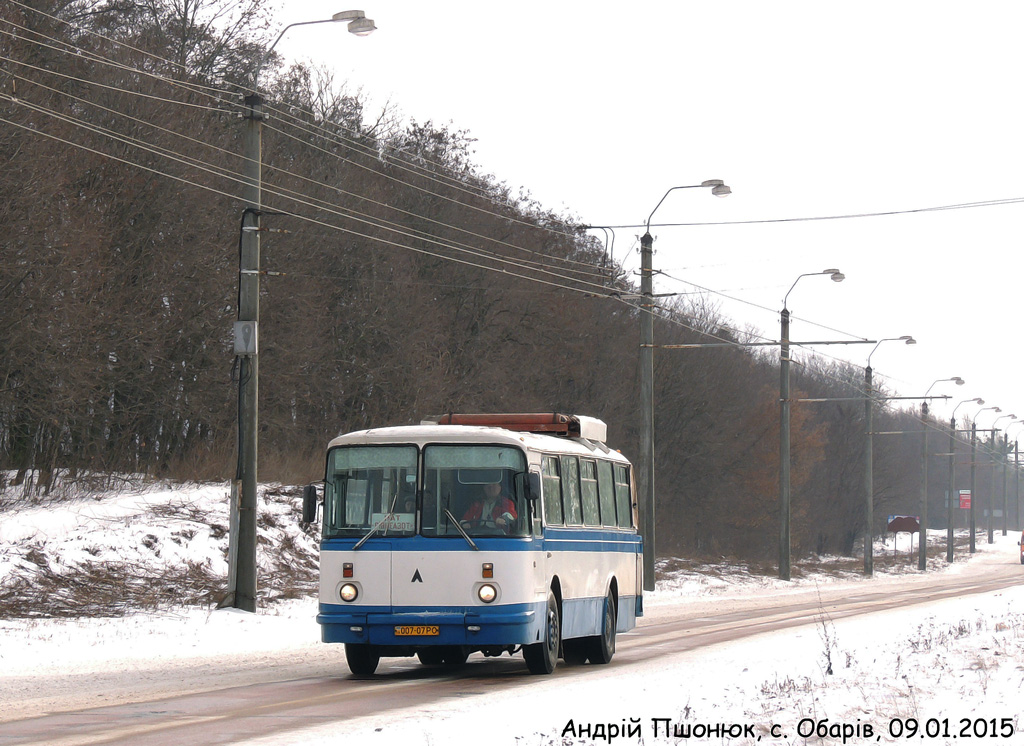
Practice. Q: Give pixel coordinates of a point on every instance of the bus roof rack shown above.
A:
(546, 423)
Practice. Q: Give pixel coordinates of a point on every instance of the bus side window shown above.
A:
(571, 491)
(622, 499)
(606, 489)
(588, 490)
(552, 491)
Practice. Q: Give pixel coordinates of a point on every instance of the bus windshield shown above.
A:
(481, 487)
(370, 487)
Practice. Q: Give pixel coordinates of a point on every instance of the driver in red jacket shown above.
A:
(491, 507)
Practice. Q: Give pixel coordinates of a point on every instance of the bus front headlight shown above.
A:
(348, 592)
(487, 593)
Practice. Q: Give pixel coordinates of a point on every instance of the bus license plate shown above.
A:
(418, 631)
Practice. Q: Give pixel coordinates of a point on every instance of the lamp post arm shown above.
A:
(358, 24)
(785, 298)
(671, 189)
(717, 187)
(837, 276)
(270, 49)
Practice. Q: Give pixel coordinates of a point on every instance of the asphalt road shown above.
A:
(293, 695)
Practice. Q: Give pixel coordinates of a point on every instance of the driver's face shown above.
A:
(492, 490)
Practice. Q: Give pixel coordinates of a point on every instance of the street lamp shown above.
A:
(922, 544)
(869, 483)
(949, 496)
(242, 539)
(719, 189)
(955, 379)
(784, 422)
(358, 24)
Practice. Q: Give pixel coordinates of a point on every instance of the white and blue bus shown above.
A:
(478, 533)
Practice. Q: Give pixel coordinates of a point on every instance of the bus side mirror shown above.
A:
(532, 486)
(309, 504)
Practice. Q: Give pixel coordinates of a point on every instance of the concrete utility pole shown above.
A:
(784, 424)
(243, 513)
(952, 459)
(869, 448)
(1006, 463)
(990, 529)
(647, 306)
(922, 548)
(990, 518)
(647, 405)
(974, 475)
(869, 477)
(242, 582)
(785, 461)
(949, 494)
(922, 542)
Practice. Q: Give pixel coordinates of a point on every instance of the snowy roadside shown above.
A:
(959, 659)
(933, 673)
(939, 664)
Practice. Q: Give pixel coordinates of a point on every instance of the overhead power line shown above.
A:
(848, 216)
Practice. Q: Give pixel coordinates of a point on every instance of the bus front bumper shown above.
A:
(503, 625)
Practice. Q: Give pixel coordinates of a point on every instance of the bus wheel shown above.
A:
(361, 659)
(602, 647)
(541, 657)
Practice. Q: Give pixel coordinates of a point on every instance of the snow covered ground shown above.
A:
(937, 673)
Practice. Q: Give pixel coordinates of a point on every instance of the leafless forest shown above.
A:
(405, 283)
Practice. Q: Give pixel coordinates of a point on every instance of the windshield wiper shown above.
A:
(373, 530)
(385, 519)
(461, 529)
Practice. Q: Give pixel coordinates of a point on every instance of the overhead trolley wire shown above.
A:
(590, 267)
(848, 216)
(281, 191)
(219, 96)
(599, 292)
(591, 289)
(195, 87)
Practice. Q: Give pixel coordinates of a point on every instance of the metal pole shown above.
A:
(991, 487)
(1006, 460)
(869, 498)
(784, 450)
(1016, 485)
(647, 406)
(949, 495)
(248, 380)
(922, 540)
(646, 474)
(974, 495)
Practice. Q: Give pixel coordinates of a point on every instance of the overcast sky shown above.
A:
(806, 109)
